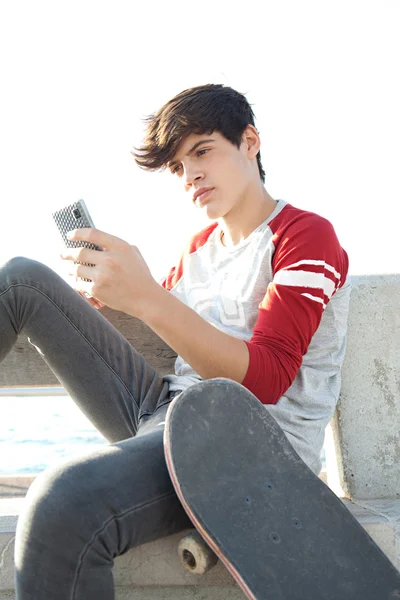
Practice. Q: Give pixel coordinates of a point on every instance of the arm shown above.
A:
(309, 267)
(211, 352)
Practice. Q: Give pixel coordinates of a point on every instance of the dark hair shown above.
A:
(201, 109)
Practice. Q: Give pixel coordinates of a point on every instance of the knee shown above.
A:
(57, 504)
(21, 269)
(18, 266)
(17, 262)
(58, 521)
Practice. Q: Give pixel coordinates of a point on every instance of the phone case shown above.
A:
(74, 216)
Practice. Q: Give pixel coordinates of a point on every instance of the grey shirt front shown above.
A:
(287, 275)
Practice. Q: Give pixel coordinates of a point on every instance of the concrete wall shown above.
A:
(366, 426)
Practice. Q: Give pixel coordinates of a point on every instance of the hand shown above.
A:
(92, 301)
(120, 278)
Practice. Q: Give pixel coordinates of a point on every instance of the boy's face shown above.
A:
(212, 162)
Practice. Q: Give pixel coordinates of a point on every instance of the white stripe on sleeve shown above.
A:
(305, 279)
(316, 299)
(317, 263)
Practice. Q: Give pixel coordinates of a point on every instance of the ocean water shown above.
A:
(38, 431)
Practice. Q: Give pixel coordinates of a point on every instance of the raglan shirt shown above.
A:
(284, 291)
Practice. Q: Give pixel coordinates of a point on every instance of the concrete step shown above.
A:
(153, 570)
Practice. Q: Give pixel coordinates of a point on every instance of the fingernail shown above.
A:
(70, 235)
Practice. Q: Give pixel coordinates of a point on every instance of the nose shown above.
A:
(192, 175)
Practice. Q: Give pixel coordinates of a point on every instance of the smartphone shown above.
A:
(74, 216)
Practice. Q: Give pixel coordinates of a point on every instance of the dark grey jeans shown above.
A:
(82, 513)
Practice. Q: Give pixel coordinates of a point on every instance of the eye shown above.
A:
(198, 153)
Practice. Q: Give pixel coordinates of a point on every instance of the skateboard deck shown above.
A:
(278, 529)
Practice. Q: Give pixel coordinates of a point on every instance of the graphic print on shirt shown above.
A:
(222, 305)
(227, 292)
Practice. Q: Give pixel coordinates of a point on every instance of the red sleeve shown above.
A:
(309, 265)
(173, 276)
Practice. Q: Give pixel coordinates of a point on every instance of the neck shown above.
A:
(246, 217)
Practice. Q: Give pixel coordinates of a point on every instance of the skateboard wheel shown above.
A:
(195, 554)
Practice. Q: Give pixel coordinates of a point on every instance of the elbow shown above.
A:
(270, 374)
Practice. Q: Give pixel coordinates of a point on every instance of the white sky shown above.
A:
(77, 77)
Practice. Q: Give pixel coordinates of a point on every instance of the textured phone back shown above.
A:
(67, 221)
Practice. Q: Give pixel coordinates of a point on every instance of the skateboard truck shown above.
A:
(195, 554)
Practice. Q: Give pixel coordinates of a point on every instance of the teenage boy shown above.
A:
(260, 297)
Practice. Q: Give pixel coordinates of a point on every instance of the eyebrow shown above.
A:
(192, 149)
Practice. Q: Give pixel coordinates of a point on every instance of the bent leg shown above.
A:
(108, 379)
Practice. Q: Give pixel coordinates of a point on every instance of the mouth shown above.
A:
(202, 197)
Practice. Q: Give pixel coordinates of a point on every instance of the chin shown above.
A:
(212, 213)
(214, 210)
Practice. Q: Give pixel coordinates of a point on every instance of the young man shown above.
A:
(264, 286)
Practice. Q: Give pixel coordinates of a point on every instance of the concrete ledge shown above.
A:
(381, 520)
(174, 593)
(153, 570)
(166, 593)
(15, 486)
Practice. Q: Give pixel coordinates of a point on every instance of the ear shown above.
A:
(252, 140)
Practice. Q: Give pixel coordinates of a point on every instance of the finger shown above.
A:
(94, 236)
(93, 302)
(85, 296)
(84, 288)
(76, 285)
(82, 271)
(82, 254)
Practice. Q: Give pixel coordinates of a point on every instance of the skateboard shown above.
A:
(276, 526)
